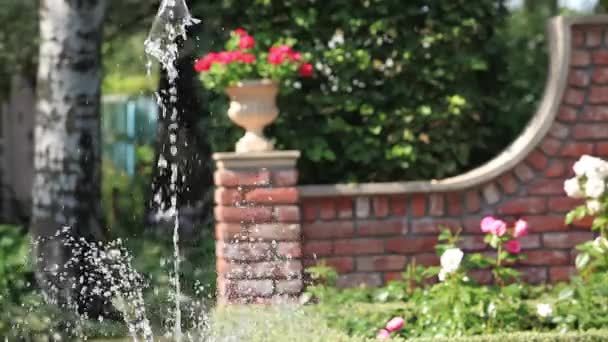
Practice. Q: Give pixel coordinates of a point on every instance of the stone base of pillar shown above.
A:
(258, 232)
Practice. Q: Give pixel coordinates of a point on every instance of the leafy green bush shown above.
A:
(586, 336)
(457, 305)
(272, 324)
(124, 197)
(15, 268)
(417, 88)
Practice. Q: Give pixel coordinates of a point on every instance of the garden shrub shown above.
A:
(281, 323)
(420, 88)
(466, 309)
(585, 336)
(453, 304)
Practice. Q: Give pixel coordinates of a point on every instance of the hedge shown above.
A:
(584, 336)
(404, 90)
(288, 324)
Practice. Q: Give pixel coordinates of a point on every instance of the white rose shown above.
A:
(595, 187)
(544, 310)
(573, 188)
(600, 243)
(441, 275)
(491, 310)
(587, 165)
(582, 165)
(594, 206)
(450, 260)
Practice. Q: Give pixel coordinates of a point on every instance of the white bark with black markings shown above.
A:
(66, 185)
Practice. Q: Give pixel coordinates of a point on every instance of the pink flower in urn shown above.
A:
(246, 42)
(240, 32)
(513, 247)
(395, 324)
(486, 224)
(306, 70)
(383, 334)
(521, 228)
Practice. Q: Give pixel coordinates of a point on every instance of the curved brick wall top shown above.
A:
(577, 48)
(370, 231)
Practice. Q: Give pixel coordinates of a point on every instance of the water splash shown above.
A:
(170, 24)
(171, 21)
(102, 270)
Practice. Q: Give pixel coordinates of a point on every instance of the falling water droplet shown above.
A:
(170, 24)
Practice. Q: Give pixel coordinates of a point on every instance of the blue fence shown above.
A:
(127, 122)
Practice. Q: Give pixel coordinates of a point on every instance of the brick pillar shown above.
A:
(258, 233)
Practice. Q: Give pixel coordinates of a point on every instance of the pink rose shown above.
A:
(513, 247)
(498, 228)
(395, 324)
(246, 42)
(383, 334)
(306, 70)
(521, 228)
(486, 224)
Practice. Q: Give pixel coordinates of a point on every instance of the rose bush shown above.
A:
(589, 185)
(245, 60)
(457, 306)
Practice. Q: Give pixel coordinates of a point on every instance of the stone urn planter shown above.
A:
(253, 107)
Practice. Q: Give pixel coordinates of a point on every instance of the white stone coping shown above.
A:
(255, 160)
(559, 30)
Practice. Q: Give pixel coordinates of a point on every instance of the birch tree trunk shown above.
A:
(66, 185)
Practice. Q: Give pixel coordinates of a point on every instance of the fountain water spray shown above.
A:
(101, 270)
(170, 24)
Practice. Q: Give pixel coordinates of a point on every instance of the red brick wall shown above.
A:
(370, 238)
(258, 235)
(268, 228)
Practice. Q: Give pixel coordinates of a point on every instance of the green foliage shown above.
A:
(305, 324)
(18, 40)
(416, 87)
(586, 336)
(458, 306)
(582, 304)
(15, 268)
(272, 324)
(117, 83)
(123, 196)
(462, 308)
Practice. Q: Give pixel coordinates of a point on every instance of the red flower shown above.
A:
(227, 57)
(246, 42)
(513, 247)
(202, 64)
(276, 58)
(282, 49)
(247, 58)
(306, 70)
(205, 63)
(278, 54)
(240, 32)
(295, 57)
